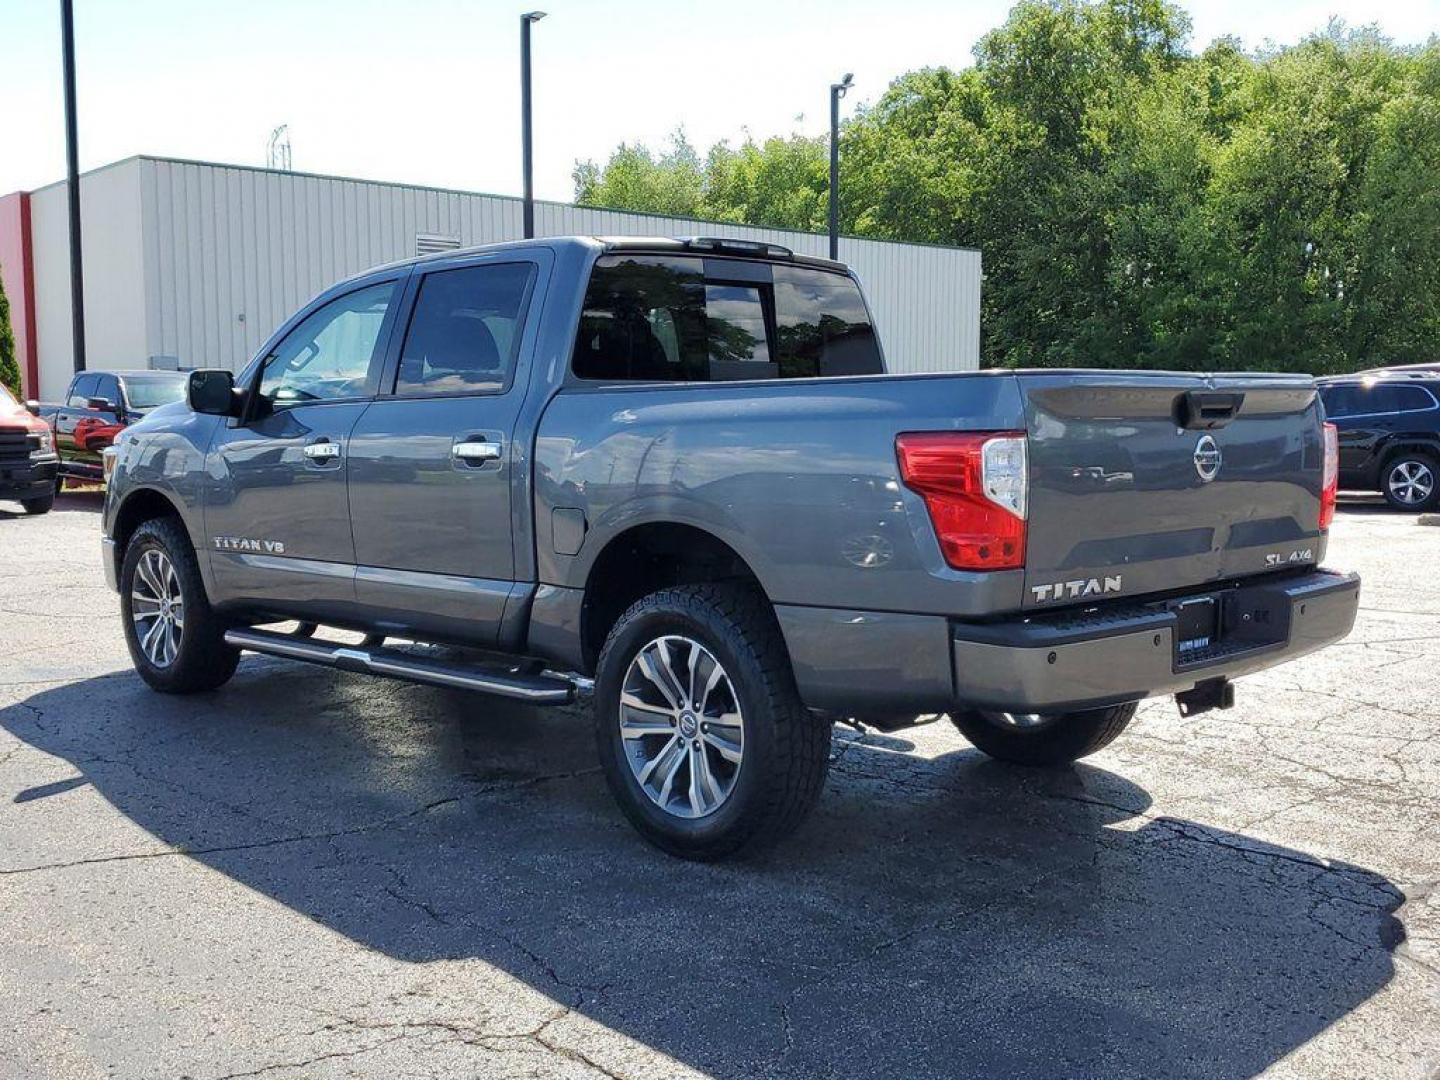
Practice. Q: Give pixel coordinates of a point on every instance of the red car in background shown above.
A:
(28, 462)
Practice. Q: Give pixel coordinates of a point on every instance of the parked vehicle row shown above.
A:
(677, 472)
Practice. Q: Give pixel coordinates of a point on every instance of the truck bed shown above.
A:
(801, 479)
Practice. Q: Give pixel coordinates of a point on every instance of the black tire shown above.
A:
(786, 749)
(1049, 740)
(40, 505)
(201, 659)
(1405, 475)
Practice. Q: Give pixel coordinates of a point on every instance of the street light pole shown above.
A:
(837, 91)
(72, 173)
(526, 148)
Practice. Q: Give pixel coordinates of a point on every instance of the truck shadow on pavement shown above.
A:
(936, 917)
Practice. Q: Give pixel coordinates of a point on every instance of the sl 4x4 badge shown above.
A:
(244, 543)
(1070, 590)
(1280, 558)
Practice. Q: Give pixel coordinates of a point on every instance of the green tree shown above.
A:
(1135, 203)
(636, 179)
(9, 366)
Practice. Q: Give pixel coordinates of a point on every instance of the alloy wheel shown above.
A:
(681, 726)
(157, 607)
(1411, 482)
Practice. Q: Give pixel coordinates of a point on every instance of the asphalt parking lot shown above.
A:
(311, 874)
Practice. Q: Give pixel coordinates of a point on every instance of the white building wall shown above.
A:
(115, 301)
(230, 252)
(201, 262)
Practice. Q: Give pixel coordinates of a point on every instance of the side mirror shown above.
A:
(32, 407)
(212, 391)
(100, 404)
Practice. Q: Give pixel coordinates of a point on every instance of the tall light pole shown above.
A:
(837, 91)
(72, 173)
(526, 149)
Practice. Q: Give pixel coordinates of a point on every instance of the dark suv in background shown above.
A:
(1389, 429)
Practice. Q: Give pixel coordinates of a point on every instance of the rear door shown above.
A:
(1145, 483)
(434, 468)
(277, 516)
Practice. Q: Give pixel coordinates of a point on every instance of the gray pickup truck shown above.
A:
(674, 472)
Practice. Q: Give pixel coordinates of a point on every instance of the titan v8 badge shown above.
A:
(244, 543)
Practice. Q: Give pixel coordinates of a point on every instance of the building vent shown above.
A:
(430, 243)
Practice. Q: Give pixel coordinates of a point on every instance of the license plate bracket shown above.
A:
(1197, 627)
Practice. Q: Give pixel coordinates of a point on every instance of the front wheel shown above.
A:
(176, 642)
(40, 505)
(1411, 481)
(702, 736)
(1043, 738)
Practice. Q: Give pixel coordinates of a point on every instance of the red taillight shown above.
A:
(1330, 483)
(975, 485)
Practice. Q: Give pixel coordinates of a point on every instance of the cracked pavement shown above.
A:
(311, 875)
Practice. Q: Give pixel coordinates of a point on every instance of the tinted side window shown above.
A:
(107, 387)
(821, 325)
(1414, 399)
(81, 391)
(465, 330)
(330, 354)
(681, 319)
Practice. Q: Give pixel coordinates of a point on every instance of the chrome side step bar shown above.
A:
(392, 664)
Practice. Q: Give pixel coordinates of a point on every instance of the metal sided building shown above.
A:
(192, 264)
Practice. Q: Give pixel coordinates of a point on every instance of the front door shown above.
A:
(71, 412)
(277, 519)
(432, 462)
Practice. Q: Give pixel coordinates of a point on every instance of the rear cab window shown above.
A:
(680, 318)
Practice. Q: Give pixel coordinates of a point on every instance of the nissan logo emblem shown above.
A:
(1207, 459)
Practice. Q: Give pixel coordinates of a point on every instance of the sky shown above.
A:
(427, 91)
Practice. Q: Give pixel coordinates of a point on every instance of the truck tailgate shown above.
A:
(1148, 482)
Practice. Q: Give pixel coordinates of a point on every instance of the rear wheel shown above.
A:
(1411, 481)
(39, 505)
(703, 738)
(1043, 738)
(176, 642)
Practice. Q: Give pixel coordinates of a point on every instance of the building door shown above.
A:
(277, 518)
(432, 461)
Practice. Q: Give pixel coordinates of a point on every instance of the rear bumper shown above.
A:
(1102, 658)
(853, 662)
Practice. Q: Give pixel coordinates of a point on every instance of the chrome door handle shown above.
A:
(476, 451)
(322, 451)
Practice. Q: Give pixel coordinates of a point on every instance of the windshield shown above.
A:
(147, 393)
(6, 398)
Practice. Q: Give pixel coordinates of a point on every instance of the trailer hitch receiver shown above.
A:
(1207, 695)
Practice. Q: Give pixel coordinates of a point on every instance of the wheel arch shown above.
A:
(139, 506)
(1430, 448)
(644, 558)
